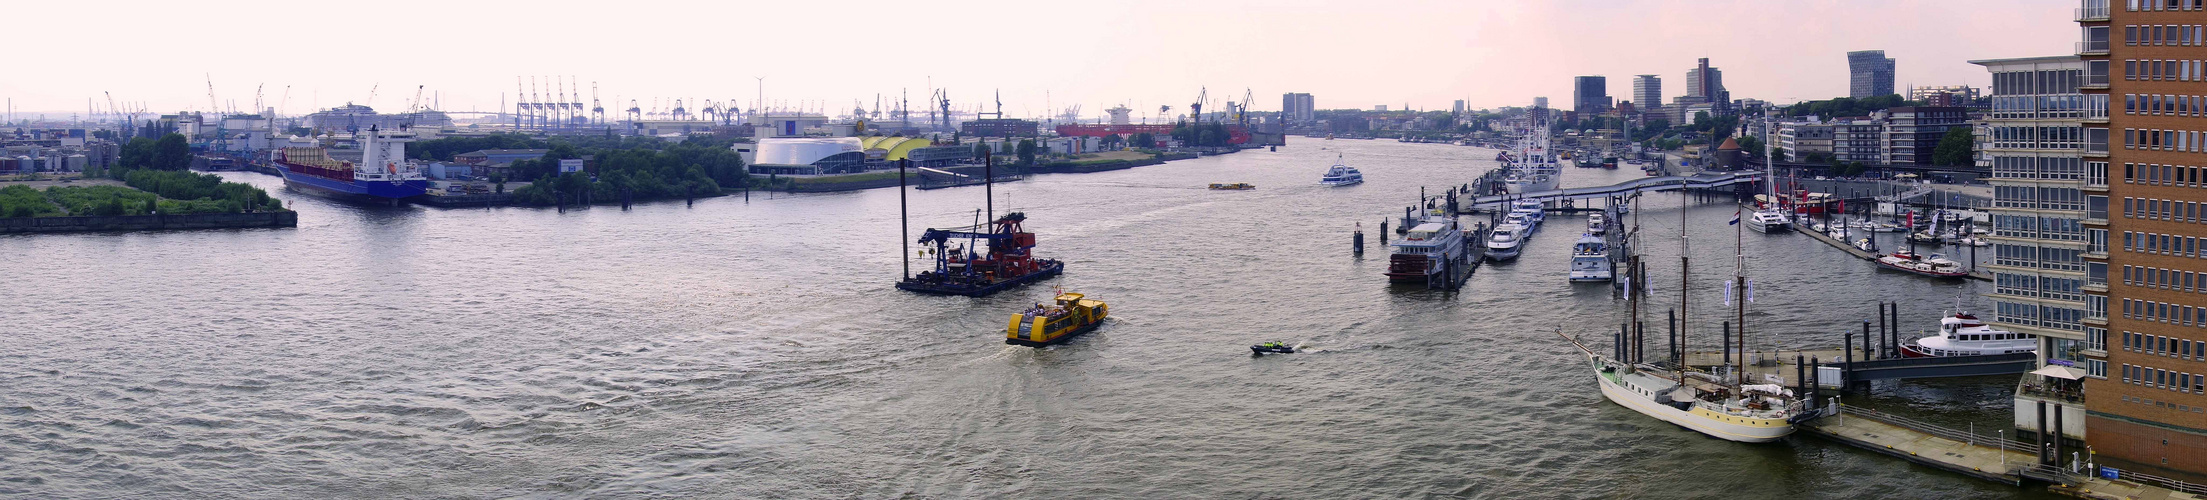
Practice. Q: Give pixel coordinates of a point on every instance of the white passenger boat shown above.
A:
(1503, 243)
(1426, 249)
(1341, 175)
(1590, 260)
(1962, 334)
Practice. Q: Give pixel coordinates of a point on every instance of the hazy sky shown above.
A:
(1095, 54)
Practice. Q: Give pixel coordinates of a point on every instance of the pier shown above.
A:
(1994, 458)
(1646, 185)
(1974, 273)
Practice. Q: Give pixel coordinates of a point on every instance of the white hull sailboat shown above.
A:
(1649, 393)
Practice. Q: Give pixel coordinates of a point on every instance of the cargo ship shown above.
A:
(962, 267)
(383, 177)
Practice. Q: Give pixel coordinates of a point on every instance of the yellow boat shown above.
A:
(1045, 325)
(1238, 186)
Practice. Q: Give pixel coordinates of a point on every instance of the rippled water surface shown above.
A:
(756, 350)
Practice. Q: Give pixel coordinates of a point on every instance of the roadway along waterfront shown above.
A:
(758, 351)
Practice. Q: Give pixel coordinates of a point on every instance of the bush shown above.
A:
(22, 201)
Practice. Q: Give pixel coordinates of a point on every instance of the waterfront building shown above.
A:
(785, 124)
(1589, 95)
(2148, 411)
(1798, 140)
(1647, 91)
(1000, 127)
(1858, 140)
(1910, 133)
(1298, 107)
(807, 156)
(1869, 74)
(2035, 143)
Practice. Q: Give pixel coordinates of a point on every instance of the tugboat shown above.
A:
(1935, 265)
(1043, 325)
(1964, 335)
(1271, 348)
(960, 270)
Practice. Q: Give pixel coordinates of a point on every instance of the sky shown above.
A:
(465, 55)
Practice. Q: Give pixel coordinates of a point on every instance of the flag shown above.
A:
(1735, 218)
(1750, 291)
(1727, 292)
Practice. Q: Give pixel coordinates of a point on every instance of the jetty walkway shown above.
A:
(1993, 458)
(1646, 185)
(1974, 273)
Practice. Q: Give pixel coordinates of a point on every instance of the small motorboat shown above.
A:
(1271, 348)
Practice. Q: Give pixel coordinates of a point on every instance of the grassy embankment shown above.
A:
(148, 191)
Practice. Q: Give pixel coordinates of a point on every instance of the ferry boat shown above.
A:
(961, 268)
(1935, 265)
(1962, 334)
(1341, 175)
(1505, 241)
(384, 175)
(1590, 260)
(1235, 186)
(1423, 250)
(1073, 314)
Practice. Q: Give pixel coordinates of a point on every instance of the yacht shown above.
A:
(1427, 249)
(1532, 209)
(1962, 334)
(1590, 259)
(1935, 265)
(1504, 242)
(1341, 175)
(1769, 220)
(1596, 224)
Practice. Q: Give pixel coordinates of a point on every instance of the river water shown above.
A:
(755, 349)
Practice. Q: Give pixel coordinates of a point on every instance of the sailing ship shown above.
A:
(1718, 406)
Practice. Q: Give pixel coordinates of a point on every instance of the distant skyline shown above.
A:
(1043, 57)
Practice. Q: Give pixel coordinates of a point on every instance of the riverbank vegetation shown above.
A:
(149, 192)
(633, 168)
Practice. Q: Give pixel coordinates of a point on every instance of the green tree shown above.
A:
(171, 153)
(980, 150)
(1954, 148)
(1027, 152)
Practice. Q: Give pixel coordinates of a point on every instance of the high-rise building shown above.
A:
(1589, 95)
(1459, 109)
(1298, 107)
(1869, 74)
(1647, 91)
(2146, 276)
(1706, 84)
(1540, 102)
(2039, 242)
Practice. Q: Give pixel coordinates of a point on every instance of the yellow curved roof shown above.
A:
(896, 147)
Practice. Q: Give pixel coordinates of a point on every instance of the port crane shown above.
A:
(1196, 110)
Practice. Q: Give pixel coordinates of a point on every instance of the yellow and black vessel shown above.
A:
(1044, 325)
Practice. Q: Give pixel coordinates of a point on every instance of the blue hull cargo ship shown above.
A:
(383, 177)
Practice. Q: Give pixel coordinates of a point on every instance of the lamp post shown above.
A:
(2003, 434)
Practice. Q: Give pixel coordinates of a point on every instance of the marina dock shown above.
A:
(1992, 458)
(1975, 274)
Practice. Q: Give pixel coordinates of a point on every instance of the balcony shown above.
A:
(2092, 11)
(2092, 48)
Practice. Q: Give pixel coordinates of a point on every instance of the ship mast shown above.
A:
(1679, 362)
(1739, 280)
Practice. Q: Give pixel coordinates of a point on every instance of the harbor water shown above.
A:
(757, 350)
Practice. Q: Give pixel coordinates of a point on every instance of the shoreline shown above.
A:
(157, 222)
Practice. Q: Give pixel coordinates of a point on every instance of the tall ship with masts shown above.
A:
(1770, 216)
(1721, 406)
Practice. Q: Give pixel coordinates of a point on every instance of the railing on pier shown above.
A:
(1968, 437)
(2051, 473)
(2153, 480)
